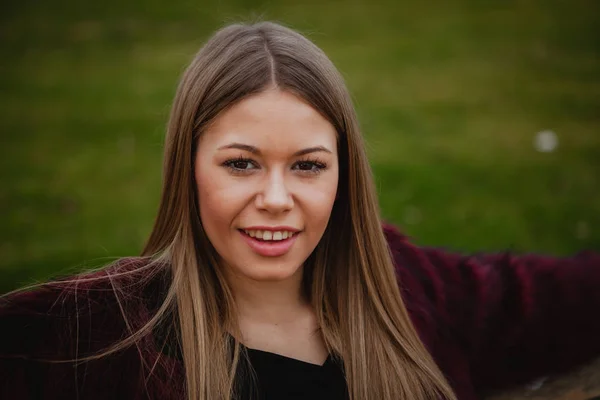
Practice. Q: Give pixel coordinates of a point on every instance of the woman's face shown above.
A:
(267, 175)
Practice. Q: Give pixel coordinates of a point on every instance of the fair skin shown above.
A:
(267, 167)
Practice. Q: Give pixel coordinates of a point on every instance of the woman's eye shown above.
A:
(240, 164)
(309, 166)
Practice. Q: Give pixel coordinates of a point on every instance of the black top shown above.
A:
(277, 377)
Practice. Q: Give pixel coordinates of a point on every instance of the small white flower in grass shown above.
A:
(537, 384)
(545, 141)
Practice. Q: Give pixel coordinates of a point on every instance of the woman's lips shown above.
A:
(269, 248)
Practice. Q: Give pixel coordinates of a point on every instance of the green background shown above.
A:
(450, 96)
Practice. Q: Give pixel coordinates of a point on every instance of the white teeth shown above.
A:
(269, 235)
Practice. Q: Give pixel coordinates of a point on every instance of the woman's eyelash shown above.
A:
(237, 164)
(315, 164)
(241, 164)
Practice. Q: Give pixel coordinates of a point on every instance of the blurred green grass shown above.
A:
(450, 96)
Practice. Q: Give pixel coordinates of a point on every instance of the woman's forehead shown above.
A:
(271, 120)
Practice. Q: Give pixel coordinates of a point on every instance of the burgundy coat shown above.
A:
(490, 321)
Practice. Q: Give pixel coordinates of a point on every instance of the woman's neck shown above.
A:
(274, 302)
(276, 316)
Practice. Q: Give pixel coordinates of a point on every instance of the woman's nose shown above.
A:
(275, 196)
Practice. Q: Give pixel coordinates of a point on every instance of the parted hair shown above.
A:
(349, 277)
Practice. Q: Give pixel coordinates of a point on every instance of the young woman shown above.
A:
(268, 274)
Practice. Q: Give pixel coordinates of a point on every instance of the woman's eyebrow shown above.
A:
(255, 150)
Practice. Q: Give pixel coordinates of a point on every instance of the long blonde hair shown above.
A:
(350, 275)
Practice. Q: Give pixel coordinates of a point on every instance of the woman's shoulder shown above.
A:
(93, 308)
(410, 261)
(62, 293)
(50, 330)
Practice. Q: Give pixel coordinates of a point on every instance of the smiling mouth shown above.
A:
(268, 236)
(273, 245)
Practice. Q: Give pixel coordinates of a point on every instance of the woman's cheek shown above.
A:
(232, 189)
(319, 200)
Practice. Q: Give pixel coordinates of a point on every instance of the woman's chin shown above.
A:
(272, 273)
(270, 276)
